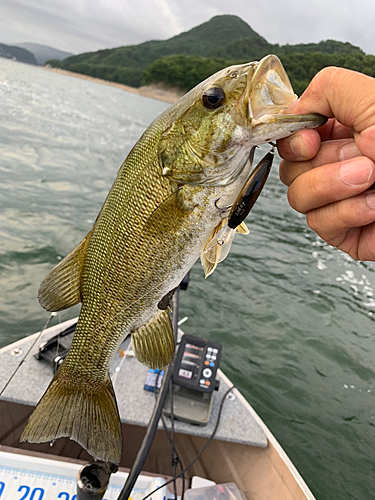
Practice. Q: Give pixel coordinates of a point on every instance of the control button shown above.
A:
(213, 358)
(215, 351)
(207, 373)
(207, 382)
(212, 364)
(208, 356)
(209, 349)
(207, 363)
(202, 381)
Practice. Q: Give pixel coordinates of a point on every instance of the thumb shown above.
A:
(347, 96)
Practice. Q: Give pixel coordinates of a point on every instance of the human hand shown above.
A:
(329, 170)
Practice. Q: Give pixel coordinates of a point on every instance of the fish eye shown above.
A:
(213, 98)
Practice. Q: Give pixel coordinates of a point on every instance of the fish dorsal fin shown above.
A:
(153, 343)
(61, 288)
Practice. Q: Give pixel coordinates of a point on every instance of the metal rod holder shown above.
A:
(92, 481)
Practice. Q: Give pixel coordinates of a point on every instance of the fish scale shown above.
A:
(169, 199)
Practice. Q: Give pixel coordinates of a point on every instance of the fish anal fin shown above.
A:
(153, 343)
(61, 288)
(81, 409)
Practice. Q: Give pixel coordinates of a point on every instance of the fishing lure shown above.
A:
(219, 246)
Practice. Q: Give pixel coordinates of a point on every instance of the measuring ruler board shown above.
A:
(25, 477)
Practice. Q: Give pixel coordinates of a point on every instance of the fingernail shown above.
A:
(348, 151)
(357, 172)
(298, 146)
(370, 200)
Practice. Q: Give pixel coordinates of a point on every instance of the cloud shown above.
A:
(88, 25)
(174, 22)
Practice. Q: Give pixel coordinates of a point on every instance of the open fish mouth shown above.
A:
(269, 95)
(270, 90)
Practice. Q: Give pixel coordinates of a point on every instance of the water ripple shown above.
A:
(295, 316)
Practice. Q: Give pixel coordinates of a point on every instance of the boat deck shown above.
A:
(243, 451)
(135, 404)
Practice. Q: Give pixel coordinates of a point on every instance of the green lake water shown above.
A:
(295, 316)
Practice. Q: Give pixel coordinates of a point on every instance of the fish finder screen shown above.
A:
(191, 361)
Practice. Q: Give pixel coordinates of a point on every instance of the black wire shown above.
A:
(183, 481)
(202, 450)
(177, 458)
(154, 419)
(147, 440)
(156, 392)
(173, 455)
(52, 315)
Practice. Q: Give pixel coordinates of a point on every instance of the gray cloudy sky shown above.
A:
(88, 25)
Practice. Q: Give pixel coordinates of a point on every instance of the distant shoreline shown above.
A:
(151, 91)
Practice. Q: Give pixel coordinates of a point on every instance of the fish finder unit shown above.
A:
(194, 379)
(196, 364)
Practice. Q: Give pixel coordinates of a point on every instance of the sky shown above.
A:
(88, 25)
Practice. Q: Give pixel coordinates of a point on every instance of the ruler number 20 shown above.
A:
(34, 492)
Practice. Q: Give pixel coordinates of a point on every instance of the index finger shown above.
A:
(305, 144)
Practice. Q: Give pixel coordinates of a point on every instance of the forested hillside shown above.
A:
(43, 53)
(188, 58)
(17, 54)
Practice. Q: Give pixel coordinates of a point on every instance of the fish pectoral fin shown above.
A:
(210, 258)
(242, 229)
(61, 288)
(208, 266)
(218, 246)
(82, 409)
(217, 249)
(153, 343)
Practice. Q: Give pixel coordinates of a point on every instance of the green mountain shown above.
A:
(184, 60)
(246, 49)
(43, 53)
(17, 54)
(204, 40)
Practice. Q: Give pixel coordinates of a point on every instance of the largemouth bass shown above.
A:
(170, 197)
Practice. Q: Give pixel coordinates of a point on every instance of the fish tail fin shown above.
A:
(84, 410)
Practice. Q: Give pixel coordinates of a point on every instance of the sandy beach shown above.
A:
(151, 91)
